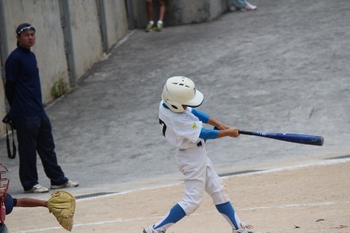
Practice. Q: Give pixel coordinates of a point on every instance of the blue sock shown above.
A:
(175, 214)
(228, 210)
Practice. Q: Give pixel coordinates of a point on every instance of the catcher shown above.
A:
(61, 204)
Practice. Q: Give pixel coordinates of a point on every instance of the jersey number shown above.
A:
(164, 126)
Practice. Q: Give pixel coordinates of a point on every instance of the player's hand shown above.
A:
(222, 126)
(233, 132)
(217, 124)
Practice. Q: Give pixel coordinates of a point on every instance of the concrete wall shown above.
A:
(179, 12)
(49, 47)
(186, 12)
(116, 23)
(52, 43)
(86, 34)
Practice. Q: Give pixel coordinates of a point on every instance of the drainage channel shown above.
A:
(340, 157)
(239, 172)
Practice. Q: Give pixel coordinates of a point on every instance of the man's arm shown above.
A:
(12, 69)
(9, 91)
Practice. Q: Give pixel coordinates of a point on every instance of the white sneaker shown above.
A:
(234, 8)
(250, 7)
(151, 230)
(244, 229)
(69, 184)
(241, 230)
(38, 188)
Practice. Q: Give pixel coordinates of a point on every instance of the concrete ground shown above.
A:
(282, 68)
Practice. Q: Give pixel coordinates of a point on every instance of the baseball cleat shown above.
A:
(151, 230)
(244, 229)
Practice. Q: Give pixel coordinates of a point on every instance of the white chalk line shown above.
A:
(326, 162)
(289, 206)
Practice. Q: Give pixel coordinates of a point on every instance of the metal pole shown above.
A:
(68, 41)
(3, 37)
(3, 46)
(102, 23)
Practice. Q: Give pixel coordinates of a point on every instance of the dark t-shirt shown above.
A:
(9, 203)
(23, 89)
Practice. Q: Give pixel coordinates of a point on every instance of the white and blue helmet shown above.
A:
(179, 91)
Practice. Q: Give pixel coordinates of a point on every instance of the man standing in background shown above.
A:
(34, 131)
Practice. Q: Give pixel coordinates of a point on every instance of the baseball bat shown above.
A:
(289, 137)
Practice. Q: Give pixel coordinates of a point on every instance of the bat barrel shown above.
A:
(289, 137)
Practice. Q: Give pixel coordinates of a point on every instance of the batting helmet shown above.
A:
(179, 91)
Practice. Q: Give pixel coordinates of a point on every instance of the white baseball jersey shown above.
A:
(180, 129)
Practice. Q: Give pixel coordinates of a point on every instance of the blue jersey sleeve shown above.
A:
(208, 134)
(201, 115)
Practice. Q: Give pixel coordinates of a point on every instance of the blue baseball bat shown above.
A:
(289, 137)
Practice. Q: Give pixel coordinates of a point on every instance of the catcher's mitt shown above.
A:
(62, 205)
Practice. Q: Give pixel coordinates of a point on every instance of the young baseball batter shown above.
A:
(182, 126)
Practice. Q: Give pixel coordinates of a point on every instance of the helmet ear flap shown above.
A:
(175, 107)
(172, 105)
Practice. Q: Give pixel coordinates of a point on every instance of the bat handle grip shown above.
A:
(245, 132)
(239, 131)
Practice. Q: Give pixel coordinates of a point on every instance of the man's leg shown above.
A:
(160, 24)
(27, 132)
(46, 151)
(239, 3)
(149, 8)
(162, 10)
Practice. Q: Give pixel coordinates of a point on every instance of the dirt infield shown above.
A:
(313, 198)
